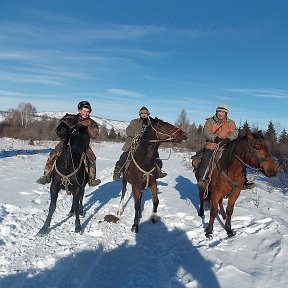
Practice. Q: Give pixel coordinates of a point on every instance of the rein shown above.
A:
(170, 136)
(65, 181)
(134, 146)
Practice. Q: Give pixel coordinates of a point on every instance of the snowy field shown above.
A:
(171, 253)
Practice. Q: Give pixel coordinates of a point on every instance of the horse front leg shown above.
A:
(229, 211)
(76, 202)
(154, 192)
(201, 199)
(137, 206)
(221, 208)
(72, 210)
(121, 203)
(213, 214)
(54, 195)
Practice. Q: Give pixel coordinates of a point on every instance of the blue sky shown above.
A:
(165, 54)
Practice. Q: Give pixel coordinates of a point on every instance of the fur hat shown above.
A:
(84, 104)
(222, 107)
(144, 110)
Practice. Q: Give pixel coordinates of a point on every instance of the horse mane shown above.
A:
(80, 141)
(229, 152)
(143, 145)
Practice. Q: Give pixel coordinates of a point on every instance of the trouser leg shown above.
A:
(119, 165)
(93, 181)
(53, 155)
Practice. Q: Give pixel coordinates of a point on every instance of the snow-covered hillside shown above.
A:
(171, 253)
(119, 126)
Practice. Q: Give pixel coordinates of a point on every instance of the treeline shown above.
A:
(22, 123)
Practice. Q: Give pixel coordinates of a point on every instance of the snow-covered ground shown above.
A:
(171, 253)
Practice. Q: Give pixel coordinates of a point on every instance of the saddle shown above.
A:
(196, 160)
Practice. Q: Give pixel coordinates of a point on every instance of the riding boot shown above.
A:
(248, 185)
(117, 173)
(46, 178)
(119, 165)
(160, 174)
(92, 177)
(202, 182)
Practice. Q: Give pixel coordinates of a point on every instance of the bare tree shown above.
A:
(183, 121)
(26, 111)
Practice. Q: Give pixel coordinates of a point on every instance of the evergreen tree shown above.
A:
(245, 128)
(271, 133)
(283, 138)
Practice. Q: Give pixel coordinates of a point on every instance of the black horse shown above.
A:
(141, 172)
(69, 170)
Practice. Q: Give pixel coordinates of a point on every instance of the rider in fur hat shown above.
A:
(83, 118)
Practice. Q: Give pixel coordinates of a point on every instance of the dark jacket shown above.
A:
(134, 127)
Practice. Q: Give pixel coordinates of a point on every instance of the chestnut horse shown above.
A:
(141, 172)
(228, 179)
(69, 171)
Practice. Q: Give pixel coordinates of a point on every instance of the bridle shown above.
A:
(158, 140)
(253, 152)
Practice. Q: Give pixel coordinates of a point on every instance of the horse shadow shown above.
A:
(157, 257)
(188, 190)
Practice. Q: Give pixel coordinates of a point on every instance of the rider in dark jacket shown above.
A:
(83, 118)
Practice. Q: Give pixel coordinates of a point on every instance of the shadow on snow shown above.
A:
(160, 258)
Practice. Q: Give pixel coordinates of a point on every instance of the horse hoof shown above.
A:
(209, 235)
(42, 232)
(134, 229)
(231, 233)
(78, 230)
(154, 220)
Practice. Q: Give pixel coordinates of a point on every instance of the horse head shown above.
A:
(73, 133)
(165, 131)
(259, 154)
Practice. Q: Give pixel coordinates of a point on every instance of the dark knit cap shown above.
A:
(144, 110)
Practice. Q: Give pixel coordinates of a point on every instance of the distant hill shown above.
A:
(119, 126)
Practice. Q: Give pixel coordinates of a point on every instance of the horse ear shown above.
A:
(261, 134)
(250, 135)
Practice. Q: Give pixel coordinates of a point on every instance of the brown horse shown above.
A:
(228, 179)
(141, 172)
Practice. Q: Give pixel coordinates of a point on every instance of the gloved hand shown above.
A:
(218, 139)
(225, 142)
